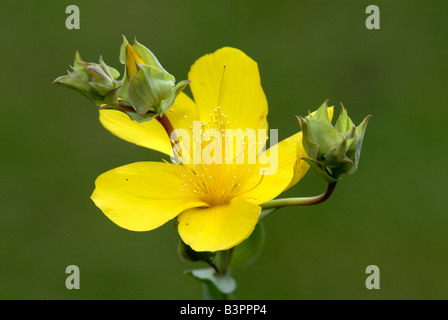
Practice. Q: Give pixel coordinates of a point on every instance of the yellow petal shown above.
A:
(132, 58)
(276, 174)
(219, 227)
(150, 134)
(301, 166)
(229, 79)
(183, 112)
(143, 196)
(330, 111)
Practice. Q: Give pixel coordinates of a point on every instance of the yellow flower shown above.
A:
(216, 205)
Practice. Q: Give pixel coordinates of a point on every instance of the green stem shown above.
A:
(215, 267)
(307, 201)
(221, 265)
(222, 261)
(127, 108)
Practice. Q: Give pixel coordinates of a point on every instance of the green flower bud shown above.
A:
(332, 150)
(147, 87)
(96, 81)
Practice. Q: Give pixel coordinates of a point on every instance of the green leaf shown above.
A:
(111, 97)
(111, 72)
(249, 250)
(140, 93)
(210, 292)
(322, 113)
(320, 170)
(140, 117)
(123, 50)
(310, 147)
(132, 114)
(150, 58)
(344, 123)
(168, 102)
(223, 282)
(360, 130)
(148, 87)
(188, 254)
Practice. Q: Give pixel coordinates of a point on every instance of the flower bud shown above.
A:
(148, 88)
(96, 81)
(332, 150)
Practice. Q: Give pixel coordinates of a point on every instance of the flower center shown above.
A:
(220, 178)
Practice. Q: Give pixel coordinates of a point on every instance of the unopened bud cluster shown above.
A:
(332, 150)
(145, 91)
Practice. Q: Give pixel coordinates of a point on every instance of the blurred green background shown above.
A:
(392, 213)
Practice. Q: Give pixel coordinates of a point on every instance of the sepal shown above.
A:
(332, 150)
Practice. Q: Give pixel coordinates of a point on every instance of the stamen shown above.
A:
(218, 183)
